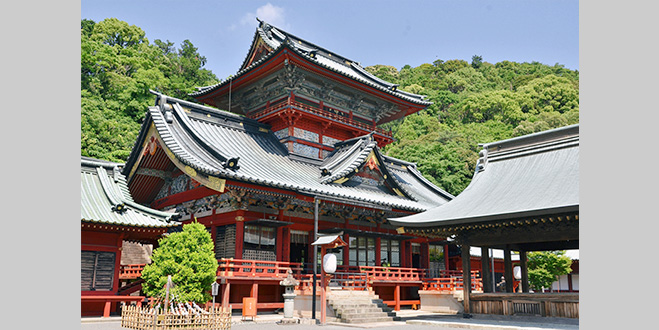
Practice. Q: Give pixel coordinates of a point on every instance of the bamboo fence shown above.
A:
(145, 318)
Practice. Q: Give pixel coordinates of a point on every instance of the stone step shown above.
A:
(368, 320)
(353, 315)
(352, 302)
(360, 307)
(351, 293)
(349, 305)
(358, 311)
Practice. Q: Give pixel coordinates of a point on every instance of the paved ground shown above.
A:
(411, 320)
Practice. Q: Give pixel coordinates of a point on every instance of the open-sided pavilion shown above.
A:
(524, 196)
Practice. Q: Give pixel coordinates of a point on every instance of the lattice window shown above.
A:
(225, 242)
(97, 270)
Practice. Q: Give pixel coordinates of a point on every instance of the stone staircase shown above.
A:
(359, 307)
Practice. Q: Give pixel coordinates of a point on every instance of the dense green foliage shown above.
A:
(473, 103)
(118, 68)
(188, 256)
(546, 267)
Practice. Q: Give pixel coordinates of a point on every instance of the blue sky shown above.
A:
(370, 32)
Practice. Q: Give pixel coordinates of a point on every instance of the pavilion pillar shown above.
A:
(286, 244)
(378, 252)
(525, 270)
(406, 252)
(508, 269)
(346, 250)
(279, 241)
(240, 235)
(397, 297)
(466, 276)
(486, 273)
(255, 294)
(425, 257)
(446, 261)
(225, 294)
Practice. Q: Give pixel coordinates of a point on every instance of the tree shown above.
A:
(545, 268)
(476, 61)
(118, 68)
(188, 256)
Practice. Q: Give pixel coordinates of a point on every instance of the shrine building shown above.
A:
(112, 224)
(297, 145)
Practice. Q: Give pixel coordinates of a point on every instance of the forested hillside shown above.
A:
(474, 103)
(118, 68)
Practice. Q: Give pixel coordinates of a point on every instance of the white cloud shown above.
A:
(272, 14)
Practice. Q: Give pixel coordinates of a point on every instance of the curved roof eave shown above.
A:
(398, 94)
(538, 175)
(179, 151)
(410, 221)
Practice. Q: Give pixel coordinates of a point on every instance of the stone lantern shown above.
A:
(289, 284)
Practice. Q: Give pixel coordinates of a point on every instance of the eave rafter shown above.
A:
(533, 229)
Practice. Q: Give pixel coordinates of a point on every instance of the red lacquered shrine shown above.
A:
(299, 141)
(111, 221)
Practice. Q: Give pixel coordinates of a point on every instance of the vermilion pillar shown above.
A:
(279, 241)
(240, 234)
(378, 253)
(286, 244)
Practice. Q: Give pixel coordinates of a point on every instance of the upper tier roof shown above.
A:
(223, 145)
(533, 175)
(275, 39)
(105, 198)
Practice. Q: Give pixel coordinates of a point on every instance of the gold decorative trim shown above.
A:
(216, 183)
(190, 171)
(400, 230)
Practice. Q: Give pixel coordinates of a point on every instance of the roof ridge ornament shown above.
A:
(482, 161)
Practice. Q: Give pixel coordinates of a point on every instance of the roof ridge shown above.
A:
(227, 161)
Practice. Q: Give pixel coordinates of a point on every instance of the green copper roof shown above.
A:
(105, 198)
(532, 175)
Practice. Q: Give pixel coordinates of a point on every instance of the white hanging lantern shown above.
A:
(517, 272)
(329, 263)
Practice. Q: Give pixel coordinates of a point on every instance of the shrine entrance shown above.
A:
(299, 248)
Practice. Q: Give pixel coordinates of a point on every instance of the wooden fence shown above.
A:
(539, 304)
(144, 318)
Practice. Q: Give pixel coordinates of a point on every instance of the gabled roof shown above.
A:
(347, 156)
(196, 136)
(277, 39)
(350, 156)
(105, 198)
(530, 176)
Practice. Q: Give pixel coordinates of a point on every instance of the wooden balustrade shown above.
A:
(448, 284)
(306, 283)
(322, 113)
(130, 272)
(257, 268)
(376, 273)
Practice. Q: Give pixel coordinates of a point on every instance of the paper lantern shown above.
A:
(517, 272)
(329, 263)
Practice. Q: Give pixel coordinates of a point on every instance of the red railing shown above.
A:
(452, 281)
(376, 273)
(321, 113)
(257, 268)
(130, 272)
